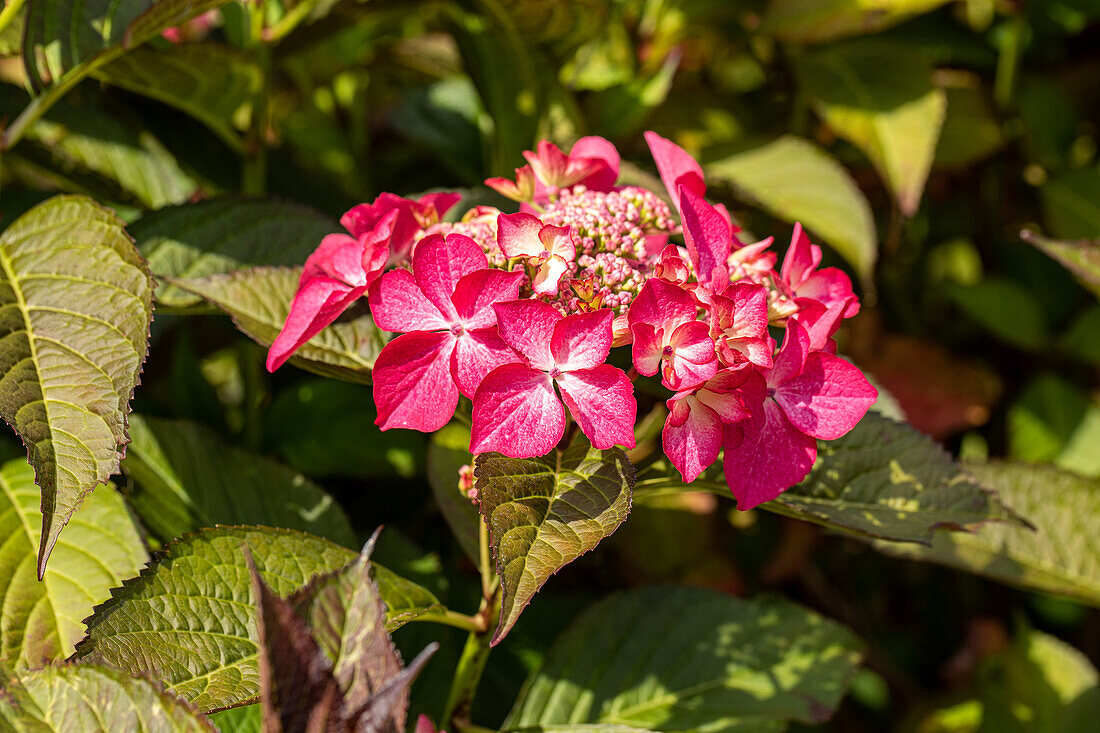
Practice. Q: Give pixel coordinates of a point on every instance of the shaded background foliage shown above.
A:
(916, 139)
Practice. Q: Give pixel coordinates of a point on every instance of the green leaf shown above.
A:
(796, 181)
(64, 40)
(1004, 308)
(1040, 684)
(76, 306)
(41, 621)
(1055, 557)
(1044, 418)
(245, 719)
(813, 21)
(188, 478)
(448, 451)
(85, 698)
(544, 513)
(84, 145)
(188, 620)
(886, 480)
(687, 659)
(258, 300)
(880, 97)
(1071, 202)
(971, 130)
(1082, 258)
(219, 236)
(211, 82)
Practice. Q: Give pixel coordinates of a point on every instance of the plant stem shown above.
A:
(473, 624)
(485, 564)
(254, 168)
(471, 665)
(7, 15)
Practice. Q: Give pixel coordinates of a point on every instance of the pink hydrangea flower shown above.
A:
(516, 410)
(412, 216)
(337, 273)
(676, 167)
(739, 324)
(664, 322)
(802, 278)
(708, 235)
(593, 162)
(522, 189)
(444, 308)
(549, 248)
(697, 418)
(807, 395)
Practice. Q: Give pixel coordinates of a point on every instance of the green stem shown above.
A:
(470, 667)
(254, 168)
(7, 15)
(457, 620)
(289, 22)
(485, 564)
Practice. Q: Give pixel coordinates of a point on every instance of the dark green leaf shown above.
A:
(879, 96)
(258, 300)
(189, 478)
(796, 181)
(208, 81)
(688, 659)
(71, 698)
(76, 304)
(448, 451)
(1054, 557)
(41, 621)
(544, 513)
(1004, 308)
(884, 479)
(813, 21)
(220, 236)
(1071, 202)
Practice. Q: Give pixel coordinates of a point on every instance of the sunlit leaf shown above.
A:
(189, 478)
(879, 96)
(796, 181)
(188, 620)
(1055, 557)
(813, 21)
(688, 659)
(76, 305)
(71, 698)
(41, 621)
(258, 300)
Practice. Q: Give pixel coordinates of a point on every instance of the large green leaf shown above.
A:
(258, 300)
(189, 619)
(887, 480)
(1071, 202)
(189, 478)
(813, 21)
(41, 621)
(689, 659)
(1058, 556)
(796, 181)
(544, 513)
(880, 97)
(64, 39)
(219, 236)
(1082, 257)
(208, 81)
(71, 698)
(76, 305)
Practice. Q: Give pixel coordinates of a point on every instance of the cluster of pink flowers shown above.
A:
(519, 312)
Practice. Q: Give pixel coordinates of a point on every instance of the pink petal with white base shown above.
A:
(801, 260)
(317, 303)
(692, 436)
(582, 341)
(339, 257)
(518, 235)
(676, 167)
(412, 382)
(440, 262)
(527, 326)
(647, 350)
(548, 276)
(707, 236)
(662, 305)
(602, 402)
(693, 360)
(441, 202)
(827, 398)
(516, 413)
(475, 294)
(398, 305)
(477, 353)
(723, 394)
(558, 241)
(771, 457)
